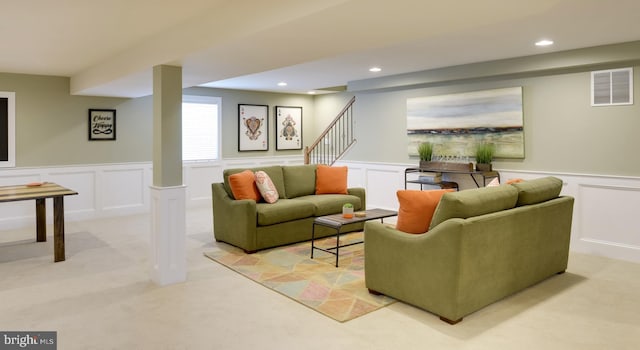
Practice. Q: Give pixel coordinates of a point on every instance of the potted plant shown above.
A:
(347, 211)
(484, 156)
(425, 151)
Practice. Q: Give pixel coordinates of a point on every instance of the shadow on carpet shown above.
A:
(339, 293)
(28, 248)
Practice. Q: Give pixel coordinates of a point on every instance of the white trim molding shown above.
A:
(111, 190)
(603, 219)
(168, 257)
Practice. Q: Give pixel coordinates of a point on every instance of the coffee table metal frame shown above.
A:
(336, 221)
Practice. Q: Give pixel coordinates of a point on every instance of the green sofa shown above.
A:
(483, 245)
(254, 226)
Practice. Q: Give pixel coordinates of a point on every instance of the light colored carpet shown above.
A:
(339, 293)
(75, 242)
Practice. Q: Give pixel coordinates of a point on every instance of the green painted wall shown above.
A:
(52, 126)
(230, 101)
(563, 133)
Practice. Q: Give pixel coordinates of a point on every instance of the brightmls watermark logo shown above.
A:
(28, 340)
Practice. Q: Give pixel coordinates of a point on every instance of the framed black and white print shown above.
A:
(288, 128)
(102, 125)
(253, 127)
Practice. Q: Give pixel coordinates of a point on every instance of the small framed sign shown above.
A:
(102, 125)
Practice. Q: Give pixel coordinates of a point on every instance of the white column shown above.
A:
(168, 224)
(168, 251)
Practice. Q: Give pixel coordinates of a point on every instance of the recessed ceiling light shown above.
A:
(282, 83)
(544, 42)
(311, 92)
(375, 69)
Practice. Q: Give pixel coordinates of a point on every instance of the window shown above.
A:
(200, 128)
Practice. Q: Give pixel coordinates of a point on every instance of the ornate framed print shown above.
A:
(253, 127)
(102, 125)
(288, 128)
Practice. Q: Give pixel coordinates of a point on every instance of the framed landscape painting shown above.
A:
(455, 124)
(253, 127)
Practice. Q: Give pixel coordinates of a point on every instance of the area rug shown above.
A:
(339, 293)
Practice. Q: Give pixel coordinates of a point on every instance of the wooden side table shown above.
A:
(39, 193)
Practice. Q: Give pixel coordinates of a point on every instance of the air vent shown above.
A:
(612, 87)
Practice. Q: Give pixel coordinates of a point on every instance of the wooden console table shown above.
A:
(40, 193)
(446, 184)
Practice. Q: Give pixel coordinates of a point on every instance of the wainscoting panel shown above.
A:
(381, 192)
(604, 221)
(8, 178)
(620, 226)
(18, 213)
(109, 190)
(199, 177)
(604, 213)
(356, 176)
(122, 189)
(80, 180)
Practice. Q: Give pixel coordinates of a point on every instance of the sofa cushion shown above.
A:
(327, 204)
(282, 211)
(538, 190)
(417, 208)
(274, 172)
(243, 186)
(479, 201)
(266, 187)
(299, 180)
(331, 180)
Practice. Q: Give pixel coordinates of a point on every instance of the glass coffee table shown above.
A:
(336, 221)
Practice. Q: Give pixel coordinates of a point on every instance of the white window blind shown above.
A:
(200, 128)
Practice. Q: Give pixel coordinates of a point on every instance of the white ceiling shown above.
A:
(109, 47)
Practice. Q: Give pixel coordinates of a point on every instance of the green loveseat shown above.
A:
(483, 245)
(254, 226)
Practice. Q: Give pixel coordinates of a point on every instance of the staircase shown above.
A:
(335, 140)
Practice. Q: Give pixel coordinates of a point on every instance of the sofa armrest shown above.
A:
(421, 270)
(361, 193)
(234, 221)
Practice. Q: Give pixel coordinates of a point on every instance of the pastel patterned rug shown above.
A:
(339, 293)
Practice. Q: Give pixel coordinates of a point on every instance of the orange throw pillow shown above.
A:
(243, 186)
(514, 181)
(331, 180)
(416, 209)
